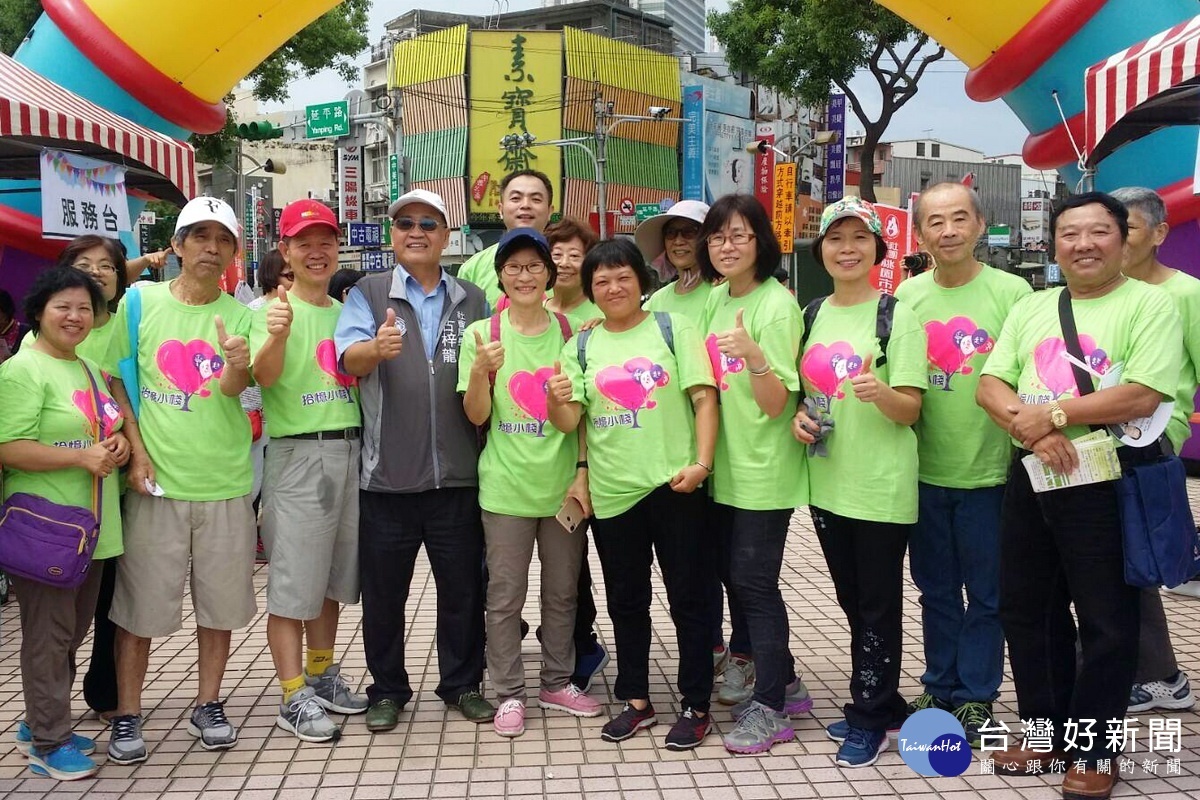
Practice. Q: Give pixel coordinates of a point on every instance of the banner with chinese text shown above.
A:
(514, 87)
(82, 195)
(898, 233)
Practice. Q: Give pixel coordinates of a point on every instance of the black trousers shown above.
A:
(672, 526)
(392, 529)
(1057, 549)
(100, 680)
(866, 563)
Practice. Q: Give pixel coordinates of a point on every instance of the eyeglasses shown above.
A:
(102, 269)
(288, 276)
(428, 224)
(536, 268)
(719, 239)
(686, 233)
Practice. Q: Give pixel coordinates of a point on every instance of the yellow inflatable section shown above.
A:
(237, 35)
(970, 29)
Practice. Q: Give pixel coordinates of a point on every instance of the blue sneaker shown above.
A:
(861, 747)
(838, 730)
(63, 763)
(24, 739)
(589, 665)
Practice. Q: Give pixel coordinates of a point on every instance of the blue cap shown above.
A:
(522, 237)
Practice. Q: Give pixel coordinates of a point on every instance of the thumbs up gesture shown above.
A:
(558, 388)
(234, 348)
(737, 343)
(388, 339)
(489, 356)
(279, 316)
(867, 387)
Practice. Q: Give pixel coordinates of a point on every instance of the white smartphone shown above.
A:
(570, 515)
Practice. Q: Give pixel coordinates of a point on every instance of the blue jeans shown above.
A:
(956, 544)
(751, 552)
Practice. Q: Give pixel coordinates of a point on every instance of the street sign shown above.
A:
(626, 207)
(784, 217)
(147, 218)
(999, 236)
(377, 260)
(327, 119)
(644, 211)
(625, 220)
(364, 234)
(466, 229)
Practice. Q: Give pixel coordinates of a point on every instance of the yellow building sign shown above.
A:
(514, 88)
(785, 206)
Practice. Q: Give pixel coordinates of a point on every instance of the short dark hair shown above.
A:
(7, 307)
(532, 173)
(81, 244)
(52, 281)
(1115, 208)
(551, 270)
(341, 282)
(615, 253)
(768, 253)
(973, 196)
(569, 228)
(269, 268)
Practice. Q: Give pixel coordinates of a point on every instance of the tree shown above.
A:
(16, 18)
(802, 46)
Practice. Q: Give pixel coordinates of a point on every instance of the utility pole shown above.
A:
(600, 110)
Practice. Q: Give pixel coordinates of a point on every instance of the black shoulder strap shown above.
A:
(581, 348)
(810, 317)
(1066, 318)
(883, 325)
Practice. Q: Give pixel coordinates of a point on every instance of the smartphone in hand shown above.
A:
(570, 515)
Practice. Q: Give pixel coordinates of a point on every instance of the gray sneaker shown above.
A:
(739, 681)
(125, 744)
(796, 701)
(304, 716)
(333, 694)
(210, 726)
(758, 729)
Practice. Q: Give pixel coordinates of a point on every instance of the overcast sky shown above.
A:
(940, 110)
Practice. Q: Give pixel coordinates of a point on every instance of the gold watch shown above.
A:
(1058, 417)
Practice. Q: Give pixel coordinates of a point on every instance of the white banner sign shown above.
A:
(81, 196)
(350, 183)
(1035, 224)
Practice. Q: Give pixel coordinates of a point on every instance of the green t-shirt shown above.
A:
(581, 313)
(95, 347)
(311, 394)
(870, 472)
(691, 305)
(480, 269)
(957, 444)
(1185, 291)
(197, 438)
(527, 464)
(759, 464)
(1134, 325)
(49, 401)
(641, 428)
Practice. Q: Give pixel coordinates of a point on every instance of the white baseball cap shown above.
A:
(419, 196)
(209, 209)
(649, 236)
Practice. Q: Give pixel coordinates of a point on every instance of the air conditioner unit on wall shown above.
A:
(377, 194)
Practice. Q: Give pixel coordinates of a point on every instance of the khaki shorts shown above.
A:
(161, 537)
(310, 524)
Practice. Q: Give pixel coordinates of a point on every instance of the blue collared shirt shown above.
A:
(357, 322)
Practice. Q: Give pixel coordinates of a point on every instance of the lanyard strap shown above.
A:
(97, 484)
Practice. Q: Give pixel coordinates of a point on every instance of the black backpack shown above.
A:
(883, 323)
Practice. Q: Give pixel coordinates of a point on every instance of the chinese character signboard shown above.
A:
(377, 260)
(1035, 224)
(350, 183)
(326, 120)
(82, 195)
(783, 208)
(364, 234)
(897, 233)
(835, 154)
(514, 88)
(693, 143)
(764, 171)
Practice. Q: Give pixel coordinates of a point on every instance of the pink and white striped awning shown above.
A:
(35, 108)
(1147, 77)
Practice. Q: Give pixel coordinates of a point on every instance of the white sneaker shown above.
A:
(1189, 589)
(1173, 696)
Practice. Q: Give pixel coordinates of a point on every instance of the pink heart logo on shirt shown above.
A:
(327, 361)
(189, 367)
(1055, 371)
(528, 391)
(826, 367)
(953, 343)
(630, 385)
(722, 364)
(109, 410)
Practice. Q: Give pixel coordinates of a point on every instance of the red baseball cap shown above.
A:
(302, 214)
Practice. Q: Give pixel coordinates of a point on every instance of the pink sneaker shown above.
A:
(571, 700)
(510, 718)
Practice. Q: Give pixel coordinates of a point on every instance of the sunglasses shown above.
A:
(428, 224)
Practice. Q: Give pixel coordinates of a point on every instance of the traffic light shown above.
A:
(258, 130)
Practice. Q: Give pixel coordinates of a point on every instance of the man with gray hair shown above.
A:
(1159, 683)
(189, 474)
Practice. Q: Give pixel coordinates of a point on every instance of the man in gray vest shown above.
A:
(400, 332)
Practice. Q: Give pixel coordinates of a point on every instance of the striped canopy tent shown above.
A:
(36, 113)
(1151, 85)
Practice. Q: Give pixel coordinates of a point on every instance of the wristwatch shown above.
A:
(1058, 417)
